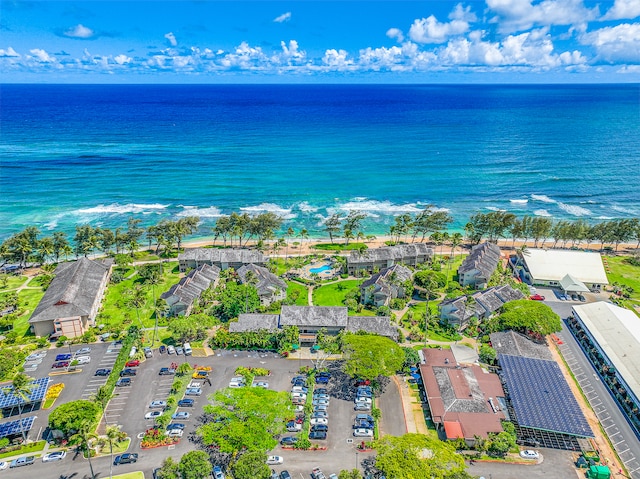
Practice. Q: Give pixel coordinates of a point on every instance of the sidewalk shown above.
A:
(413, 413)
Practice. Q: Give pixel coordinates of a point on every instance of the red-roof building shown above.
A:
(463, 399)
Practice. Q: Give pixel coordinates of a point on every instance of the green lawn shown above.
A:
(451, 269)
(115, 311)
(32, 447)
(130, 475)
(29, 299)
(302, 293)
(333, 294)
(14, 282)
(338, 246)
(624, 273)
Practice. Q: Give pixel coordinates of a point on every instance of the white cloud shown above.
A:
(79, 31)
(9, 52)
(615, 44)
(518, 15)
(430, 30)
(291, 53)
(245, 57)
(283, 18)
(627, 9)
(395, 33)
(172, 39)
(337, 59)
(42, 56)
(122, 59)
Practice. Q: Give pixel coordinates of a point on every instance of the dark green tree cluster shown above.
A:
(280, 340)
(72, 416)
(527, 317)
(168, 233)
(369, 356)
(234, 298)
(244, 227)
(429, 220)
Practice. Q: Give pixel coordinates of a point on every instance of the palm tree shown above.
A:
(82, 438)
(113, 434)
(456, 240)
(20, 389)
(429, 286)
(136, 297)
(288, 234)
(250, 280)
(304, 234)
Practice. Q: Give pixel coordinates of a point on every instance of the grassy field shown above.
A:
(14, 282)
(333, 294)
(33, 447)
(451, 270)
(29, 299)
(302, 293)
(623, 273)
(338, 246)
(115, 311)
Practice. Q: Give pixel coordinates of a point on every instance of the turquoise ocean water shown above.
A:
(72, 154)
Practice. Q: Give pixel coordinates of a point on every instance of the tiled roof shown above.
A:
(73, 290)
(483, 257)
(380, 325)
(267, 282)
(485, 302)
(192, 285)
(317, 316)
(216, 255)
(396, 253)
(516, 344)
(254, 322)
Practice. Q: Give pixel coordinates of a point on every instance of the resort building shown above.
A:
(482, 304)
(311, 319)
(477, 268)
(379, 258)
(270, 287)
(610, 338)
(71, 302)
(465, 401)
(222, 258)
(386, 285)
(183, 295)
(573, 271)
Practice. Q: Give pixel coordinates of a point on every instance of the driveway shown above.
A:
(556, 464)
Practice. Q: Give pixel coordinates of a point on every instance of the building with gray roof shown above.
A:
(477, 268)
(380, 258)
(517, 344)
(222, 258)
(71, 302)
(270, 287)
(182, 296)
(458, 311)
(312, 319)
(386, 285)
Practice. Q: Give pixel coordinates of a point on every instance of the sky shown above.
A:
(201, 41)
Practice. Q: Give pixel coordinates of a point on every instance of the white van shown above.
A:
(187, 349)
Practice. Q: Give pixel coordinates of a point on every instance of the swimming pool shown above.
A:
(320, 269)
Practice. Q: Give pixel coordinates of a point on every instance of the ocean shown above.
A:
(74, 154)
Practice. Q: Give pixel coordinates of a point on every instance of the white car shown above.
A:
(274, 460)
(171, 350)
(363, 400)
(195, 384)
(529, 454)
(83, 351)
(363, 432)
(3, 465)
(263, 385)
(35, 356)
(153, 414)
(158, 404)
(83, 359)
(319, 420)
(175, 432)
(54, 456)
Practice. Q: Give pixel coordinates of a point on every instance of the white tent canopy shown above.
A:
(572, 285)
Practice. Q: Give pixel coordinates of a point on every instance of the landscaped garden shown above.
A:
(622, 272)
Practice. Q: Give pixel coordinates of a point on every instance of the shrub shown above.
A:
(303, 443)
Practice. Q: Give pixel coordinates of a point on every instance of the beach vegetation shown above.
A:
(242, 227)
(340, 246)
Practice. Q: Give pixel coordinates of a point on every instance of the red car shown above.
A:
(133, 364)
(60, 364)
(537, 297)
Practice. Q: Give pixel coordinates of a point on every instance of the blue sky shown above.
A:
(320, 41)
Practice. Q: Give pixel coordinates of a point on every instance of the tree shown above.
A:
(169, 469)
(411, 358)
(82, 438)
(195, 465)
(20, 389)
(72, 416)
(136, 297)
(500, 444)
(332, 225)
(369, 356)
(352, 474)
(184, 328)
(487, 354)
(251, 465)
(245, 418)
(418, 456)
(113, 435)
(234, 297)
(527, 316)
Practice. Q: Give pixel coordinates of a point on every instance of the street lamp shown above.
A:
(357, 460)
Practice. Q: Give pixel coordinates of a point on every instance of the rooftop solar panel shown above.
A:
(16, 427)
(541, 397)
(39, 389)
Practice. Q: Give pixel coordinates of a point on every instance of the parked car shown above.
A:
(3, 465)
(320, 414)
(126, 458)
(362, 424)
(128, 372)
(171, 350)
(217, 472)
(274, 460)
(536, 297)
(320, 408)
(237, 384)
(323, 378)
(320, 402)
(581, 298)
(179, 350)
(83, 351)
(63, 357)
(285, 475)
(167, 372)
(158, 404)
(529, 454)
(274, 474)
(134, 363)
(320, 391)
(176, 425)
(182, 415)
(83, 359)
(299, 389)
(298, 378)
(162, 349)
(316, 473)
(318, 435)
(574, 297)
(319, 427)
(102, 372)
(200, 374)
(185, 403)
(362, 406)
(321, 396)
(362, 432)
(318, 420)
(123, 382)
(288, 440)
(366, 417)
(22, 461)
(293, 426)
(54, 456)
(36, 356)
(60, 364)
(153, 414)
(193, 392)
(261, 384)
(361, 399)
(175, 433)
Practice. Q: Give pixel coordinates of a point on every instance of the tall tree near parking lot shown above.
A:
(113, 435)
(526, 316)
(251, 465)
(169, 469)
(20, 389)
(82, 438)
(245, 418)
(369, 356)
(70, 417)
(195, 465)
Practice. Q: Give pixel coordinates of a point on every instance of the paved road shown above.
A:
(614, 423)
(555, 464)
